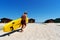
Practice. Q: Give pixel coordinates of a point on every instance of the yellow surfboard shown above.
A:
(15, 24)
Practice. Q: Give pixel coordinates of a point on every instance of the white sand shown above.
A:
(36, 31)
(1, 25)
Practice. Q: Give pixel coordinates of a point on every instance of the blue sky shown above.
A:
(40, 10)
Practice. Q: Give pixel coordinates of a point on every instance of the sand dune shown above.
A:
(36, 31)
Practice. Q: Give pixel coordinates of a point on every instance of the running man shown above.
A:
(23, 21)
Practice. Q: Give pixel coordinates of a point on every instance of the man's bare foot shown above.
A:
(21, 30)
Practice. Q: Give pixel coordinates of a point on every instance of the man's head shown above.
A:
(25, 13)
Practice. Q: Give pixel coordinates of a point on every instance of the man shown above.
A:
(23, 21)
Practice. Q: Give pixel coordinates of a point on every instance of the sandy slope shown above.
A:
(36, 31)
(1, 25)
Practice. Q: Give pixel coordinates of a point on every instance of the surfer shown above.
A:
(23, 21)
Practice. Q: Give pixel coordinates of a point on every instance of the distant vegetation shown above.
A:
(31, 20)
(5, 20)
(57, 20)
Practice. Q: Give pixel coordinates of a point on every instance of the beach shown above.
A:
(35, 31)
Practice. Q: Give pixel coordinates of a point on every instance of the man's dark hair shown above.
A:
(25, 12)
